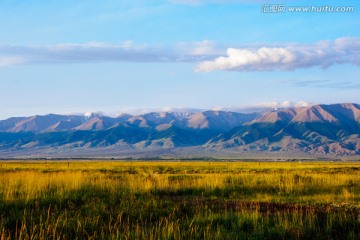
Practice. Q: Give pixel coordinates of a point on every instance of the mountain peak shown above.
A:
(89, 115)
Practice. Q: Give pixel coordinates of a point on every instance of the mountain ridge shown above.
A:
(329, 130)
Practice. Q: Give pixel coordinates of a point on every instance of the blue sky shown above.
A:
(130, 56)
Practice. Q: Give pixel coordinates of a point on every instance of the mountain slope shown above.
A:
(6, 125)
(218, 120)
(41, 123)
(97, 123)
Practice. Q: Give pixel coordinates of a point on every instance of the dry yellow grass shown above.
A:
(179, 200)
(305, 182)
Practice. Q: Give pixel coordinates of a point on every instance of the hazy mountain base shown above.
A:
(196, 153)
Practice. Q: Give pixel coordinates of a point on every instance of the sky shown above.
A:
(116, 56)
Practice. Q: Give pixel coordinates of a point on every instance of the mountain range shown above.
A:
(319, 130)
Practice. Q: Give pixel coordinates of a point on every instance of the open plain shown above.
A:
(179, 200)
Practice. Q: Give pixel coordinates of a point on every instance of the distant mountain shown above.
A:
(320, 130)
(44, 123)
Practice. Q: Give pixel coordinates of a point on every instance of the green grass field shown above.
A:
(179, 200)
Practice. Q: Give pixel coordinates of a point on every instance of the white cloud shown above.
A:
(262, 106)
(242, 59)
(79, 53)
(209, 56)
(284, 104)
(302, 104)
(205, 48)
(90, 52)
(10, 60)
(256, 107)
(293, 56)
(140, 111)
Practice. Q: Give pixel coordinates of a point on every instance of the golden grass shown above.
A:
(179, 200)
(305, 182)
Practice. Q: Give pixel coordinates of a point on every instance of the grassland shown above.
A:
(179, 200)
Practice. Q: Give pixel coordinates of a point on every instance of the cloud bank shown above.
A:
(256, 107)
(104, 52)
(263, 106)
(291, 57)
(284, 104)
(10, 60)
(208, 56)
